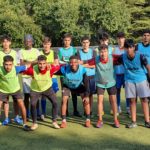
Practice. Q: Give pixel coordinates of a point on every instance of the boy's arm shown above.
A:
(20, 69)
(29, 71)
(55, 69)
(148, 70)
(86, 84)
(144, 62)
(117, 59)
(90, 62)
(56, 60)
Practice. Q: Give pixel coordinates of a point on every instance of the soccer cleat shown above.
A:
(87, 123)
(26, 128)
(6, 122)
(34, 126)
(147, 124)
(18, 120)
(42, 117)
(116, 123)
(63, 124)
(55, 125)
(99, 124)
(131, 125)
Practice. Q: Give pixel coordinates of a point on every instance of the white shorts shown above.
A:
(26, 84)
(141, 89)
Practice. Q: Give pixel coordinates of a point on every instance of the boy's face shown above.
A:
(121, 41)
(85, 44)
(42, 64)
(104, 54)
(8, 66)
(6, 44)
(67, 42)
(28, 44)
(146, 38)
(106, 42)
(47, 46)
(130, 50)
(74, 64)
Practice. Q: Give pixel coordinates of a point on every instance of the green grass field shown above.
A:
(76, 136)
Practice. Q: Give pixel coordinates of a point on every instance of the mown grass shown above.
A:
(76, 136)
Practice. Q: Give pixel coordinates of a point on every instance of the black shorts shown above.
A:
(91, 84)
(111, 91)
(66, 91)
(45, 94)
(5, 96)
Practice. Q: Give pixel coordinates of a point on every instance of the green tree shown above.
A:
(140, 14)
(15, 22)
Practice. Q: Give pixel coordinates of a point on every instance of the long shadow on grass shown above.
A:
(108, 119)
(67, 140)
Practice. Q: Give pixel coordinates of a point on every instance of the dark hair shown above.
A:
(120, 35)
(67, 35)
(85, 37)
(41, 57)
(146, 31)
(47, 39)
(103, 36)
(129, 43)
(103, 46)
(8, 58)
(73, 57)
(5, 37)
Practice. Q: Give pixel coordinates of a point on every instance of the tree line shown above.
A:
(79, 17)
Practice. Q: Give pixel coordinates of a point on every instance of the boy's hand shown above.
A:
(28, 64)
(85, 100)
(48, 66)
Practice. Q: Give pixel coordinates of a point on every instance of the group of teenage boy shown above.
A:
(82, 72)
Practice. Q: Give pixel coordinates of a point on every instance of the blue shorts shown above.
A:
(119, 81)
(55, 85)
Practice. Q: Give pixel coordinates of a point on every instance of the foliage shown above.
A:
(79, 17)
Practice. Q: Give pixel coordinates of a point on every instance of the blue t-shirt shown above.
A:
(64, 54)
(134, 71)
(73, 79)
(119, 69)
(86, 56)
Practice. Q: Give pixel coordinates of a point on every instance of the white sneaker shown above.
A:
(55, 125)
(119, 110)
(34, 126)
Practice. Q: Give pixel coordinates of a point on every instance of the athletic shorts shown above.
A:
(5, 96)
(142, 89)
(111, 91)
(91, 84)
(66, 91)
(120, 81)
(46, 94)
(26, 84)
